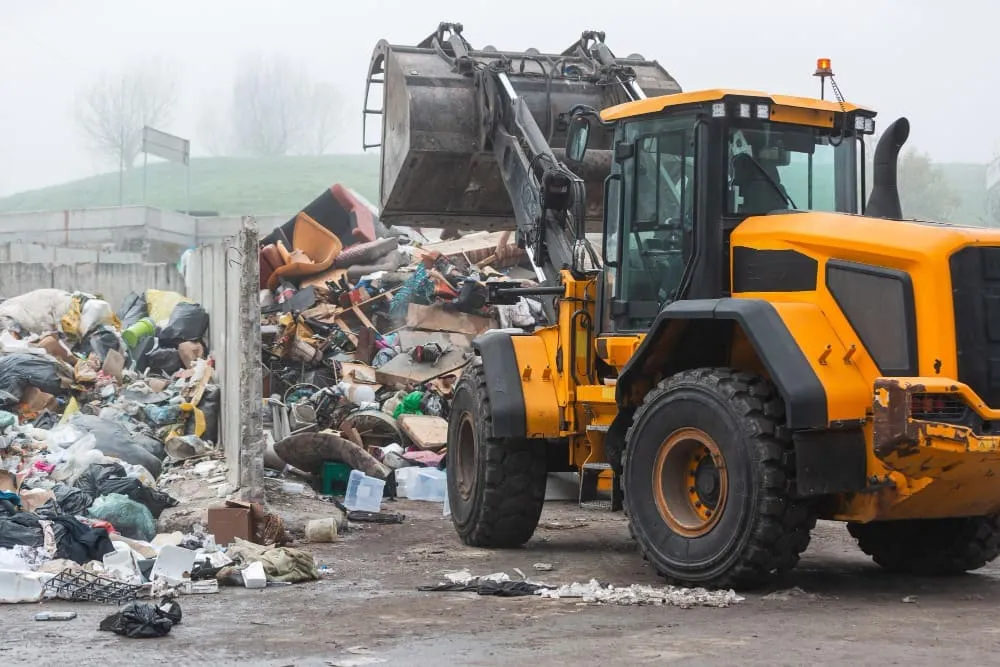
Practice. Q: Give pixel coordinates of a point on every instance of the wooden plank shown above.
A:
(425, 431)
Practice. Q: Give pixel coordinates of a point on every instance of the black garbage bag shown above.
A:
(142, 620)
(100, 479)
(72, 500)
(79, 542)
(133, 309)
(101, 341)
(21, 529)
(188, 321)
(140, 353)
(91, 479)
(164, 360)
(114, 439)
(20, 371)
(210, 405)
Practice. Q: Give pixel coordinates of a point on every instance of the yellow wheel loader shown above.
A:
(755, 347)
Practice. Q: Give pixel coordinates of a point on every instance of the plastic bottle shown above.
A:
(357, 393)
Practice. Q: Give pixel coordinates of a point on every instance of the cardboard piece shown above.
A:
(403, 371)
(425, 431)
(34, 400)
(189, 352)
(225, 523)
(435, 318)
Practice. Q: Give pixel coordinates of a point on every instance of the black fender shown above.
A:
(503, 385)
(777, 349)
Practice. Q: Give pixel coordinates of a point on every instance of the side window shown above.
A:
(656, 234)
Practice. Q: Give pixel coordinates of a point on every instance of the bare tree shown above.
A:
(267, 106)
(112, 111)
(324, 115)
(277, 110)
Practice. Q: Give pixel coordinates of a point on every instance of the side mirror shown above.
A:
(576, 138)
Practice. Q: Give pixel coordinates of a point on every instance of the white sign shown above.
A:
(166, 146)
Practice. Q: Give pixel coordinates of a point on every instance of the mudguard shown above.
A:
(801, 389)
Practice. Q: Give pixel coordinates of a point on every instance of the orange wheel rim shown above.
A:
(690, 482)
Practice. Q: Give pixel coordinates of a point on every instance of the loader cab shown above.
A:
(688, 168)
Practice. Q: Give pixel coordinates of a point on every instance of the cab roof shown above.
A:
(661, 102)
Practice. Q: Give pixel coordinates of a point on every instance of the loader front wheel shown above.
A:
(496, 487)
(706, 473)
(930, 547)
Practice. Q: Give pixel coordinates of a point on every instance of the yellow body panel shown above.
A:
(538, 382)
(661, 102)
(872, 241)
(847, 393)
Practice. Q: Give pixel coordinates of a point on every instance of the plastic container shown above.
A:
(357, 394)
(321, 530)
(429, 484)
(141, 329)
(405, 479)
(335, 476)
(364, 493)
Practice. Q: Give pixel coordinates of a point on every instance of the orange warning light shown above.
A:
(823, 67)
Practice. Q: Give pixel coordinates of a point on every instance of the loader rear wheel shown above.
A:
(496, 487)
(930, 547)
(706, 473)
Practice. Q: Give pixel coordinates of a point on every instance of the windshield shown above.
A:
(776, 167)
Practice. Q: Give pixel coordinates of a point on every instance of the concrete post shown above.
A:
(252, 444)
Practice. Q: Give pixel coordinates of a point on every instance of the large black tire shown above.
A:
(496, 487)
(755, 529)
(930, 547)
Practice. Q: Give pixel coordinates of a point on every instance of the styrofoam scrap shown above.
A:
(788, 594)
(254, 575)
(638, 594)
(462, 577)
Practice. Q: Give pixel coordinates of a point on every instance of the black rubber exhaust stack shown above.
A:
(884, 200)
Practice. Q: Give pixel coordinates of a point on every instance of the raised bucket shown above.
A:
(435, 169)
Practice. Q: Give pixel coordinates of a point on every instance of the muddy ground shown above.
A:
(369, 611)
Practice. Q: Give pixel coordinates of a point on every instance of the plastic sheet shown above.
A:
(131, 519)
(114, 439)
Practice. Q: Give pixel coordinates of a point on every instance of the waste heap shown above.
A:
(94, 407)
(365, 332)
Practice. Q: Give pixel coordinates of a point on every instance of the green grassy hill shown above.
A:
(230, 186)
(283, 185)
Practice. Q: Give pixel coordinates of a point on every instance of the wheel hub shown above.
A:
(465, 463)
(689, 482)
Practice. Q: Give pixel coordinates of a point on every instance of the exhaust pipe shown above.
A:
(884, 200)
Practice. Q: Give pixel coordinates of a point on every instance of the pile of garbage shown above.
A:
(365, 333)
(94, 407)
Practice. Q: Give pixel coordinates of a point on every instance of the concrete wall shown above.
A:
(158, 235)
(227, 287)
(33, 253)
(112, 281)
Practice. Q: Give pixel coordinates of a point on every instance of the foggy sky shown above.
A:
(928, 60)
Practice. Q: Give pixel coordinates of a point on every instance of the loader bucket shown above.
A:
(437, 170)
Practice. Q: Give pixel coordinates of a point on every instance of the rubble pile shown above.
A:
(97, 409)
(365, 333)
